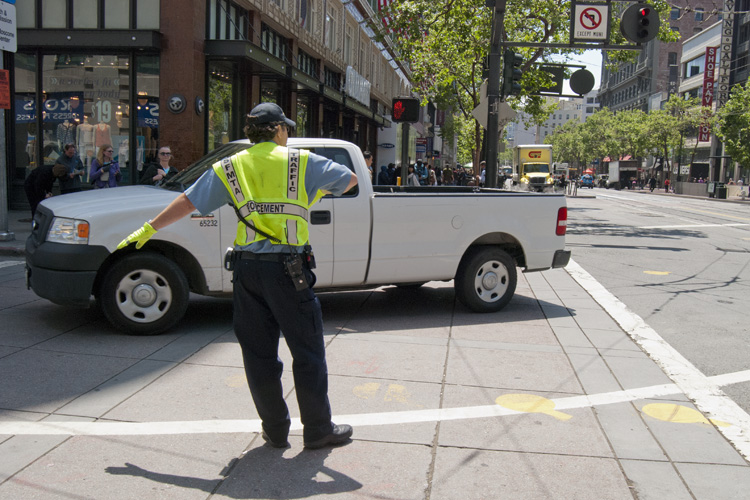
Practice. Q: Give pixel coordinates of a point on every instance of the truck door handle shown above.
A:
(320, 217)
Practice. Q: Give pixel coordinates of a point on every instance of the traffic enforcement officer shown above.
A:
(272, 188)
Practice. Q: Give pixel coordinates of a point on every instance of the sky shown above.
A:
(593, 61)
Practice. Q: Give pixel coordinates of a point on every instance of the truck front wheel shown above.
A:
(486, 279)
(144, 293)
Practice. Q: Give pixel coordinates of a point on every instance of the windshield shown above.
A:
(187, 177)
(530, 168)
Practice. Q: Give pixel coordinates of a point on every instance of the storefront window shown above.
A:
(303, 117)
(25, 120)
(54, 14)
(148, 15)
(220, 98)
(147, 109)
(85, 103)
(85, 14)
(26, 14)
(271, 92)
(116, 14)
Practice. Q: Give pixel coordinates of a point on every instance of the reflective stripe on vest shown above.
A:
(277, 216)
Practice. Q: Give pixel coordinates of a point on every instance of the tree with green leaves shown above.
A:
(733, 125)
(567, 144)
(631, 132)
(689, 115)
(445, 44)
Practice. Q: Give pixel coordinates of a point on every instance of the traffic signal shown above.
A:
(405, 109)
(511, 73)
(640, 23)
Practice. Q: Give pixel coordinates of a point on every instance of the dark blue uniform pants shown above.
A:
(265, 303)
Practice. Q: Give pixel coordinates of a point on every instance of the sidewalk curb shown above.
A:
(12, 252)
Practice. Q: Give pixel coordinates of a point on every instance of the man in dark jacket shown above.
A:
(38, 184)
(383, 177)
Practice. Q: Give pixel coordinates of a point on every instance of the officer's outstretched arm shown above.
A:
(352, 182)
(175, 211)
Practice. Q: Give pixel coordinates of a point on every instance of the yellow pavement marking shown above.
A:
(713, 213)
(657, 273)
(393, 392)
(397, 393)
(530, 403)
(366, 391)
(678, 414)
(236, 380)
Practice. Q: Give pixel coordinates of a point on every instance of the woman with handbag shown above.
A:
(105, 172)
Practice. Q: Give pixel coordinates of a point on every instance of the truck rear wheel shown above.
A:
(144, 294)
(486, 279)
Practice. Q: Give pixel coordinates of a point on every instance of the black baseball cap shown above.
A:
(268, 112)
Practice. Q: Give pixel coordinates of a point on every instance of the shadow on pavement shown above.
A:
(261, 473)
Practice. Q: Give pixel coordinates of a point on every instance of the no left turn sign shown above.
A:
(590, 22)
(590, 18)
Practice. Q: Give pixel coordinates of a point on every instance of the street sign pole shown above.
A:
(404, 152)
(8, 24)
(493, 93)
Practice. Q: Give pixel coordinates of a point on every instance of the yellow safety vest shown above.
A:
(267, 185)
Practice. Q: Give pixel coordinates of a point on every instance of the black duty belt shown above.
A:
(268, 257)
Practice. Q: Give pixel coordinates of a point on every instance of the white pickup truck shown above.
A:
(369, 237)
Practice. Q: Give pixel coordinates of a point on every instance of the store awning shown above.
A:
(263, 63)
(61, 39)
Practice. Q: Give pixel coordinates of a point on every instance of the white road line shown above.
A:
(9, 263)
(108, 428)
(702, 390)
(682, 226)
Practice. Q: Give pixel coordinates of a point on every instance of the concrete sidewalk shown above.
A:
(19, 224)
(547, 399)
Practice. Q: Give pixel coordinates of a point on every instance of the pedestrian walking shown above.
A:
(272, 268)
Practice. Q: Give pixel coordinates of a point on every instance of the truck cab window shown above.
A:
(341, 156)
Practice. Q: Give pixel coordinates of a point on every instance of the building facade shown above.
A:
(647, 83)
(141, 74)
(696, 152)
(741, 47)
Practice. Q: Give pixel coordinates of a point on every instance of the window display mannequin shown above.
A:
(66, 133)
(102, 134)
(85, 140)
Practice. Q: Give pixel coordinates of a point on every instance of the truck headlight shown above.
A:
(550, 180)
(525, 180)
(64, 230)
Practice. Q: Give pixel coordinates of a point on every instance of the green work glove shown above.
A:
(139, 237)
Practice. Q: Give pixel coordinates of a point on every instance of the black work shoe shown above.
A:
(275, 444)
(339, 435)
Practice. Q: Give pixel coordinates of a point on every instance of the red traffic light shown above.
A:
(640, 23)
(405, 109)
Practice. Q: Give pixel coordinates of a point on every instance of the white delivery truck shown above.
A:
(622, 172)
(372, 236)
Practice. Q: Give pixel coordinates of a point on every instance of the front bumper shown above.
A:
(60, 272)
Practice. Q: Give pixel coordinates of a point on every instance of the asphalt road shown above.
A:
(682, 264)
